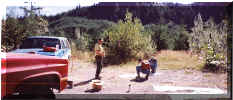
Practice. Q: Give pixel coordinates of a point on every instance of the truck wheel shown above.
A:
(47, 93)
(38, 92)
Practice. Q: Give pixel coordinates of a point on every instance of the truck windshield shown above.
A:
(39, 43)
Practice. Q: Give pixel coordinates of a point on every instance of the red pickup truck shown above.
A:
(32, 75)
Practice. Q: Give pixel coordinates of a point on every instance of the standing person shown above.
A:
(99, 55)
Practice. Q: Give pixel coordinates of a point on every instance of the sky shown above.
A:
(52, 7)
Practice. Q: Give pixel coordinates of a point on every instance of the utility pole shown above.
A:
(32, 8)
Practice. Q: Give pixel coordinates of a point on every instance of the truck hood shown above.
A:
(11, 55)
(37, 51)
(26, 50)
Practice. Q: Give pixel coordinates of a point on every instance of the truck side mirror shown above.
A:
(49, 49)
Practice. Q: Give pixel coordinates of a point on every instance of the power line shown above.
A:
(32, 8)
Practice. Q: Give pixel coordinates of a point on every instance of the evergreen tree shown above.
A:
(197, 32)
(13, 33)
(126, 40)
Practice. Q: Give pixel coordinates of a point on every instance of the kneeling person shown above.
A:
(143, 67)
(153, 64)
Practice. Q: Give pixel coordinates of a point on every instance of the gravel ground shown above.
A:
(120, 80)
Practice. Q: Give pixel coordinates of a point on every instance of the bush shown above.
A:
(168, 36)
(13, 33)
(82, 43)
(210, 40)
(126, 41)
(15, 30)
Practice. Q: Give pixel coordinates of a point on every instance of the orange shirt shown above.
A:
(145, 65)
(99, 50)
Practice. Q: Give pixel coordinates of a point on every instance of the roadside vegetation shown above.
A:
(200, 40)
(170, 59)
(127, 40)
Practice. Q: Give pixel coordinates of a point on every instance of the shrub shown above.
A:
(210, 40)
(127, 40)
(82, 43)
(168, 36)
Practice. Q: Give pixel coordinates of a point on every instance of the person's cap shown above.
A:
(101, 40)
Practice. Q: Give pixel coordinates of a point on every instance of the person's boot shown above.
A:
(97, 77)
(137, 77)
(147, 75)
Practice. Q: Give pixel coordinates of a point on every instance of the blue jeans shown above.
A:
(153, 67)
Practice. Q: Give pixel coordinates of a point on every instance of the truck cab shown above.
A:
(46, 45)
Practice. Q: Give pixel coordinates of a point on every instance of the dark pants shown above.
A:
(99, 65)
(145, 71)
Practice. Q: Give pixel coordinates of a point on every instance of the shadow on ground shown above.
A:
(138, 80)
(71, 84)
(83, 82)
(92, 90)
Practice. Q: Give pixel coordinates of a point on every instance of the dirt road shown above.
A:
(121, 80)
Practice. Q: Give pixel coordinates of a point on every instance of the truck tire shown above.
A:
(47, 94)
(41, 92)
